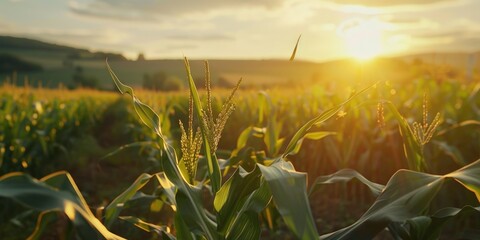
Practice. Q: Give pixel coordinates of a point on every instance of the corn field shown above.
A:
(392, 160)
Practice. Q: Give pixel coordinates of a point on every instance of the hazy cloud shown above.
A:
(387, 3)
(6, 27)
(154, 9)
(401, 20)
(177, 47)
(449, 34)
(203, 37)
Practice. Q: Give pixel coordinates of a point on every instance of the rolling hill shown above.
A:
(61, 63)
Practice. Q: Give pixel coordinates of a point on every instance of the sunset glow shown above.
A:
(331, 29)
(362, 39)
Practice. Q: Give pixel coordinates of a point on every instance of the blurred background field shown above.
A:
(45, 130)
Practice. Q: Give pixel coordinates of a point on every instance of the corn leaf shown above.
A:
(451, 151)
(407, 195)
(292, 57)
(345, 175)
(187, 197)
(55, 192)
(149, 227)
(44, 220)
(145, 112)
(312, 136)
(238, 203)
(183, 231)
(289, 191)
(246, 225)
(113, 209)
(465, 123)
(140, 144)
(319, 119)
(429, 227)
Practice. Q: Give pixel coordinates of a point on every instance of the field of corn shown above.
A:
(386, 160)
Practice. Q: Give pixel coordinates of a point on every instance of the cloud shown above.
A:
(401, 20)
(6, 27)
(147, 10)
(203, 37)
(375, 7)
(459, 35)
(442, 35)
(176, 48)
(387, 3)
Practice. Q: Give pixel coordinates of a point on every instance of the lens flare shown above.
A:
(362, 38)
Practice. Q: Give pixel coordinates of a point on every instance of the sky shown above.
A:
(249, 29)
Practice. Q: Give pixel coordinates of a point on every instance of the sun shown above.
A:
(362, 38)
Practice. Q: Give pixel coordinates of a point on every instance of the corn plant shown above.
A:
(248, 186)
(33, 130)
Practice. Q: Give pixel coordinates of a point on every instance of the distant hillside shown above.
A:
(63, 64)
(458, 60)
(30, 44)
(9, 64)
(21, 45)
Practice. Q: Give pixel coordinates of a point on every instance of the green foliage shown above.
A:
(408, 195)
(256, 186)
(33, 131)
(54, 192)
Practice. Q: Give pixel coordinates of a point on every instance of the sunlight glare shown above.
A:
(362, 38)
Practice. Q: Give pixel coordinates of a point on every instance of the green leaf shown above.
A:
(451, 151)
(181, 228)
(465, 123)
(132, 145)
(345, 175)
(145, 112)
(149, 227)
(55, 192)
(190, 204)
(248, 227)
(289, 191)
(44, 220)
(242, 140)
(168, 188)
(319, 119)
(429, 227)
(254, 204)
(238, 203)
(196, 221)
(407, 195)
(295, 49)
(113, 209)
(312, 136)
